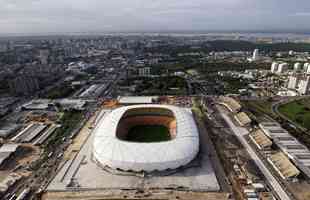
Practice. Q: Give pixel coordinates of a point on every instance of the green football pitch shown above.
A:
(148, 133)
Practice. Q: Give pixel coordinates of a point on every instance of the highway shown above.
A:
(240, 133)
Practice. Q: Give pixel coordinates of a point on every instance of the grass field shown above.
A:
(148, 133)
(298, 111)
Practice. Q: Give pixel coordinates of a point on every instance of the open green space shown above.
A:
(62, 91)
(148, 133)
(297, 111)
(233, 85)
(231, 45)
(69, 121)
(172, 85)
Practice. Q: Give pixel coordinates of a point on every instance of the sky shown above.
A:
(61, 16)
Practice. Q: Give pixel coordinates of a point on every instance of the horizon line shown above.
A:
(297, 32)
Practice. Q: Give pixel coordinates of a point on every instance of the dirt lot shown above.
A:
(23, 156)
(301, 190)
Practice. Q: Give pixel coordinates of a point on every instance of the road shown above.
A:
(240, 133)
(190, 80)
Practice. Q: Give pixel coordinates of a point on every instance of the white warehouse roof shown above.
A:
(108, 150)
(297, 152)
(136, 99)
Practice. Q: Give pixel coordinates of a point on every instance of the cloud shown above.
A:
(41, 16)
(302, 14)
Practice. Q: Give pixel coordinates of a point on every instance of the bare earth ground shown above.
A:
(301, 190)
(26, 155)
(110, 195)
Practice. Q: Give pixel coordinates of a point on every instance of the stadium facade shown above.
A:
(111, 149)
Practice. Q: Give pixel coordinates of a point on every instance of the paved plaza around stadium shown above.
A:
(83, 173)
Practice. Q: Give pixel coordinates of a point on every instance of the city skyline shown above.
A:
(41, 16)
(155, 115)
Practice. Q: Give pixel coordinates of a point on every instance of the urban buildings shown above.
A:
(297, 67)
(299, 82)
(279, 67)
(43, 56)
(255, 56)
(293, 82)
(290, 146)
(24, 85)
(69, 80)
(282, 68)
(303, 85)
(230, 103)
(305, 67)
(274, 67)
(93, 91)
(144, 71)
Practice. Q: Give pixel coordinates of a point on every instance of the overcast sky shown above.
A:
(43, 16)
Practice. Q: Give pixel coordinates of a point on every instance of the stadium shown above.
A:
(145, 138)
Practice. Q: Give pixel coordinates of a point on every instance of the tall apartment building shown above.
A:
(305, 67)
(274, 67)
(43, 56)
(293, 81)
(255, 56)
(304, 85)
(282, 68)
(297, 67)
(145, 71)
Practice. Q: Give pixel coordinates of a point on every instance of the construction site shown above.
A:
(27, 152)
(281, 159)
(49, 156)
(79, 177)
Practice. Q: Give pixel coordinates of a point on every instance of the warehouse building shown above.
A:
(290, 146)
(6, 151)
(283, 165)
(230, 103)
(9, 129)
(260, 140)
(243, 119)
(94, 91)
(133, 100)
(30, 132)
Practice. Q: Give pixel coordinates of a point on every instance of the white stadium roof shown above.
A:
(108, 150)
